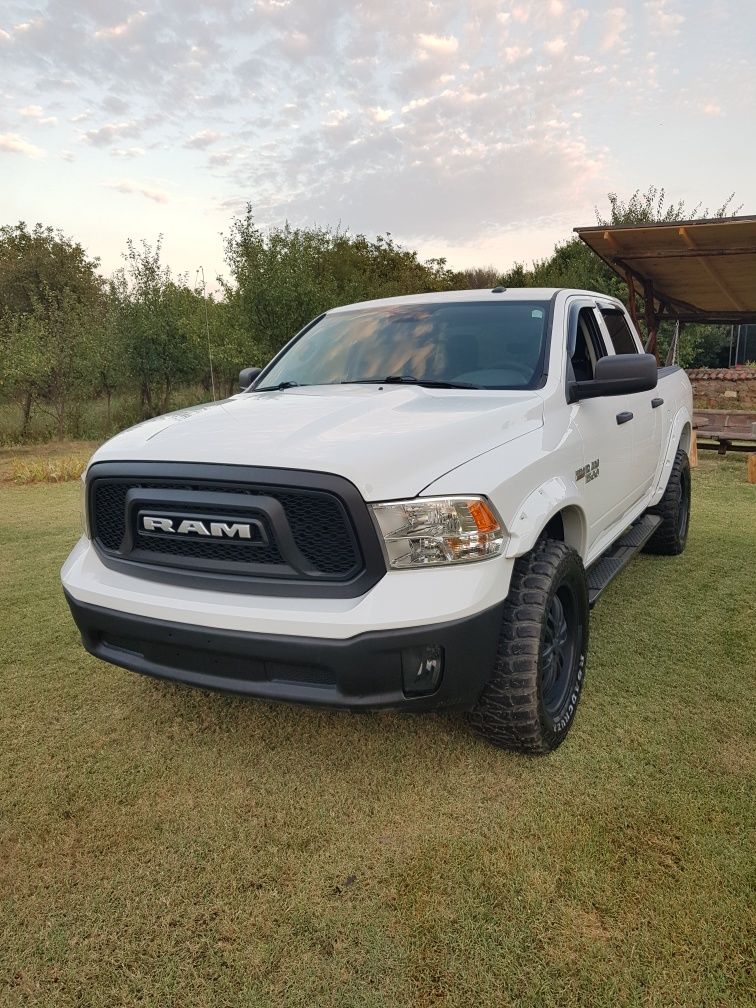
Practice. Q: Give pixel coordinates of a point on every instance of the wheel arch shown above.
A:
(568, 526)
(680, 436)
(685, 437)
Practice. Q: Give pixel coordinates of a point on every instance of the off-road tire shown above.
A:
(674, 510)
(511, 712)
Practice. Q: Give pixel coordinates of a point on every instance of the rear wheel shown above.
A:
(530, 700)
(674, 510)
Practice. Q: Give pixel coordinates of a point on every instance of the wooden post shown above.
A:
(673, 346)
(652, 323)
(632, 300)
(693, 457)
(752, 467)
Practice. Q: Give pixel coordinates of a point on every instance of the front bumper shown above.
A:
(363, 672)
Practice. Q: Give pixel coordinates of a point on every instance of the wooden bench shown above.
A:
(725, 426)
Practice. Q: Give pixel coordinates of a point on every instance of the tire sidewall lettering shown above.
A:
(562, 723)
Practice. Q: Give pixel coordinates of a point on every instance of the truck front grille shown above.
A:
(314, 529)
(318, 522)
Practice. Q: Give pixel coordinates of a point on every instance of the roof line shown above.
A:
(650, 225)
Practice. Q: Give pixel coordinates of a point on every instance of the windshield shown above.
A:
(490, 345)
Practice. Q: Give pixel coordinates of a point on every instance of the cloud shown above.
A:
(512, 54)
(296, 43)
(113, 104)
(220, 158)
(36, 112)
(132, 188)
(104, 136)
(663, 20)
(615, 27)
(25, 26)
(12, 143)
(438, 44)
(438, 120)
(335, 118)
(124, 28)
(203, 139)
(555, 46)
(578, 17)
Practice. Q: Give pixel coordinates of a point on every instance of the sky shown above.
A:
(481, 131)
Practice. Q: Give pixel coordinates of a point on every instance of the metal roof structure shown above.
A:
(694, 271)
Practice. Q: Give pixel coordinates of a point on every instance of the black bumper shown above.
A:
(361, 673)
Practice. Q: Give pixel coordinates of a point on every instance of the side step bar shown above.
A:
(620, 553)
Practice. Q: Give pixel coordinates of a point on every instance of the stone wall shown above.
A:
(724, 388)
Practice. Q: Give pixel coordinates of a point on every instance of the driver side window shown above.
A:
(589, 346)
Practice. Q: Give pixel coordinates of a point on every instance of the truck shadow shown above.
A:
(245, 730)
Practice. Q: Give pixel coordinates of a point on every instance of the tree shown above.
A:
(155, 323)
(287, 276)
(49, 291)
(477, 277)
(20, 362)
(573, 264)
(227, 342)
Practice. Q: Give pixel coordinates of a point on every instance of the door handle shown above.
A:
(624, 416)
(656, 402)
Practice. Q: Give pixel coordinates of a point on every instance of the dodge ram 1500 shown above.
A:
(413, 505)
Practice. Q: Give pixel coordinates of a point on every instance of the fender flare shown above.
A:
(553, 497)
(679, 435)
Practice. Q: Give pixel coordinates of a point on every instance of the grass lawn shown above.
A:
(161, 846)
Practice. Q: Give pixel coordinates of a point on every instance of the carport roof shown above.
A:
(701, 270)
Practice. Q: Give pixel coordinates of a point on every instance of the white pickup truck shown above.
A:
(414, 505)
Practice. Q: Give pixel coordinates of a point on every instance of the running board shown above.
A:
(619, 554)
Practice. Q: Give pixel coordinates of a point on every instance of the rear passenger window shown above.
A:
(622, 338)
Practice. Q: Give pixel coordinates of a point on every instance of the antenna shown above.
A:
(207, 331)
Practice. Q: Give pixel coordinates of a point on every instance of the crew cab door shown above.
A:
(608, 482)
(648, 419)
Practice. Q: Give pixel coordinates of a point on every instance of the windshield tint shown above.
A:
(486, 344)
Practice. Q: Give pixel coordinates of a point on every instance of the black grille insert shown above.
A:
(317, 519)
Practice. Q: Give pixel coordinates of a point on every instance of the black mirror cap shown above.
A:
(246, 376)
(621, 374)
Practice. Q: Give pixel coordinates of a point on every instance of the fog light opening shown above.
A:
(422, 669)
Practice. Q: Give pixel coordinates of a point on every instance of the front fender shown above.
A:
(528, 481)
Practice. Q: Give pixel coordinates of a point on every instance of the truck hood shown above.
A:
(390, 441)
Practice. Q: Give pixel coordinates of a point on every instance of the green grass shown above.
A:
(165, 847)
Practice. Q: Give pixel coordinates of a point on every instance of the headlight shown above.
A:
(432, 531)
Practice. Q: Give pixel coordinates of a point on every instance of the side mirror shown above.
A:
(618, 375)
(246, 376)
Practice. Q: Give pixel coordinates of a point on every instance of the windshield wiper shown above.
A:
(280, 387)
(409, 380)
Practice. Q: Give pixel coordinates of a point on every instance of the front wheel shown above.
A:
(529, 702)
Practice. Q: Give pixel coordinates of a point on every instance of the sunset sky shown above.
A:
(480, 131)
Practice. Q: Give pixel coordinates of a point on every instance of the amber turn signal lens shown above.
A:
(482, 516)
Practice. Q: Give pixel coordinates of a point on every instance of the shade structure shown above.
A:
(696, 271)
